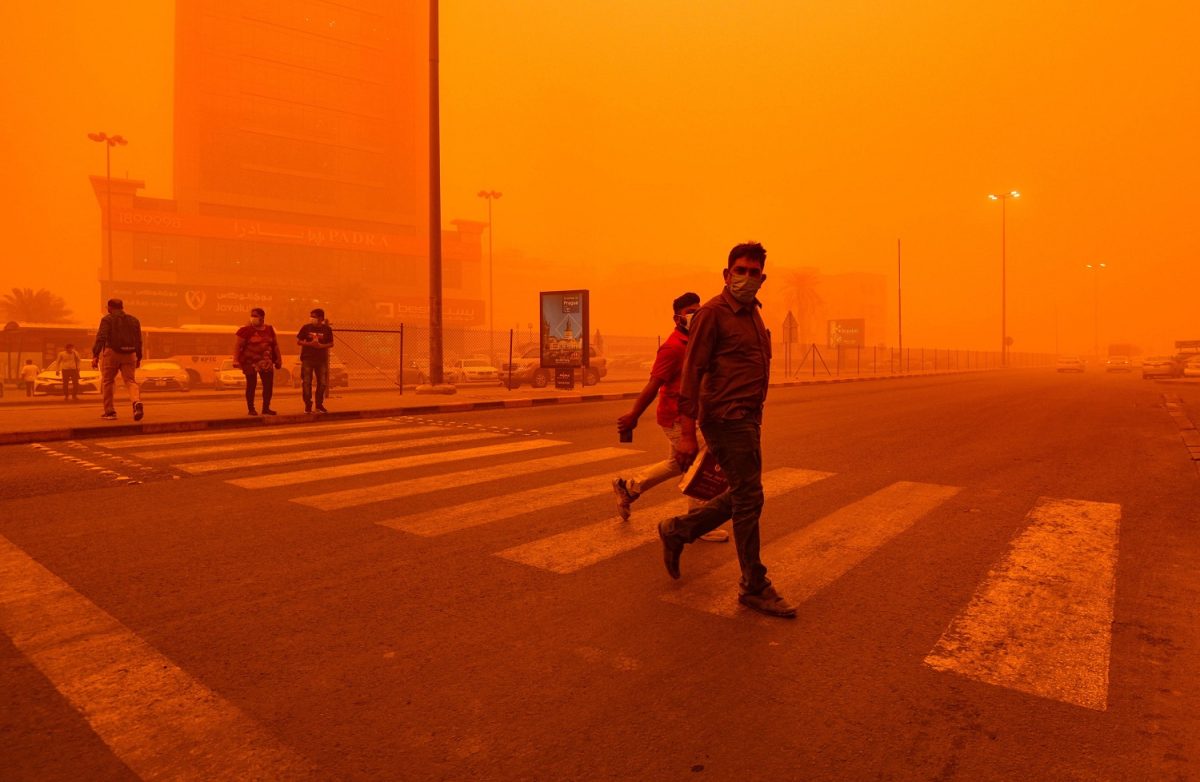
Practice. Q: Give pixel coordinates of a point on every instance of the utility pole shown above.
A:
(435, 207)
(899, 299)
(1003, 199)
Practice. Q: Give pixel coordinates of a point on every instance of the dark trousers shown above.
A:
(28, 387)
(738, 450)
(70, 376)
(310, 370)
(268, 381)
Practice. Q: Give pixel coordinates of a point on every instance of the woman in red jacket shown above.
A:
(257, 353)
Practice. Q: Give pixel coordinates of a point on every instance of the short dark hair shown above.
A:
(318, 313)
(751, 251)
(259, 311)
(686, 300)
(70, 345)
(116, 304)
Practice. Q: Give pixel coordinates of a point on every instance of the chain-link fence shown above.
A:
(799, 361)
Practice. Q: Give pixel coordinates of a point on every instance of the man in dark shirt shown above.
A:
(118, 350)
(315, 340)
(723, 388)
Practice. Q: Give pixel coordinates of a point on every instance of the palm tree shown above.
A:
(800, 287)
(30, 306)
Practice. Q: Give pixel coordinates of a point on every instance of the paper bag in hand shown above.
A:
(704, 479)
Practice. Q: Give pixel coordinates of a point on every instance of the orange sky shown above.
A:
(636, 140)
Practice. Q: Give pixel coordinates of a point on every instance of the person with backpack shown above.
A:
(118, 349)
(257, 354)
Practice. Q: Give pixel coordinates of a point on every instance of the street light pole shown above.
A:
(109, 142)
(1096, 268)
(1003, 199)
(435, 206)
(490, 195)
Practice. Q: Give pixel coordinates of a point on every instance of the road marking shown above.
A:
(255, 432)
(156, 718)
(301, 437)
(383, 465)
(582, 547)
(292, 457)
(349, 498)
(472, 514)
(1041, 622)
(804, 562)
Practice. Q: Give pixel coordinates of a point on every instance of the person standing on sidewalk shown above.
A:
(68, 368)
(315, 340)
(257, 354)
(664, 384)
(29, 373)
(118, 349)
(723, 388)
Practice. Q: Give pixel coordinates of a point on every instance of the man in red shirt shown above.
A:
(663, 383)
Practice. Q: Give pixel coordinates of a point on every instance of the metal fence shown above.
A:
(796, 361)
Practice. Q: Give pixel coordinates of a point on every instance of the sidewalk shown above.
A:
(47, 419)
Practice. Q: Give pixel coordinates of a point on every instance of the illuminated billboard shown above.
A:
(564, 329)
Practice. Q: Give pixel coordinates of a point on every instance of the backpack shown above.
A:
(125, 333)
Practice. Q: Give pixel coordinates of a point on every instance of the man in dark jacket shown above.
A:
(118, 349)
(723, 388)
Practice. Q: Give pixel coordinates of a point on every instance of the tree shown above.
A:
(800, 287)
(29, 306)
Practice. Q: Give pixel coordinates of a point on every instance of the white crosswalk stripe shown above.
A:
(805, 562)
(304, 437)
(576, 549)
(350, 498)
(294, 457)
(311, 474)
(251, 432)
(1041, 623)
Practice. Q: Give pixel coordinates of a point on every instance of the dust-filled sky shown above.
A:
(635, 141)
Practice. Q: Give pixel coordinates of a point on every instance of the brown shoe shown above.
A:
(672, 548)
(769, 602)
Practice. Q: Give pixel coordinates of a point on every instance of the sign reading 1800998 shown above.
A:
(564, 328)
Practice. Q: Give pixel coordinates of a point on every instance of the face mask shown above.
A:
(256, 321)
(743, 287)
(315, 321)
(684, 321)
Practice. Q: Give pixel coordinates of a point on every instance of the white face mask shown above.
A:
(743, 287)
(256, 321)
(315, 321)
(685, 321)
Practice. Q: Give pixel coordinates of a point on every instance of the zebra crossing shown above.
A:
(1039, 623)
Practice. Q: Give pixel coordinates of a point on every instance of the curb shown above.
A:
(125, 430)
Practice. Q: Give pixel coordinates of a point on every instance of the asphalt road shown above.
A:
(997, 578)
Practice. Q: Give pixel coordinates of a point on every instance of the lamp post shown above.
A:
(1096, 269)
(1003, 199)
(109, 142)
(490, 195)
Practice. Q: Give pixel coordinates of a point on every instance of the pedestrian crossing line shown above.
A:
(582, 547)
(302, 437)
(158, 720)
(293, 457)
(350, 498)
(255, 432)
(293, 477)
(1041, 622)
(804, 562)
(473, 514)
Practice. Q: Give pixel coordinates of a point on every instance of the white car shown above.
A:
(1070, 364)
(227, 375)
(50, 382)
(1192, 367)
(1118, 364)
(472, 370)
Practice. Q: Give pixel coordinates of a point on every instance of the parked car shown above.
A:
(1070, 364)
(414, 373)
(226, 375)
(1118, 364)
(1191, 368)
(158, 375)
(471, 370)
(49, 382)
(528, 369)
(1160, 366)
(339, 375)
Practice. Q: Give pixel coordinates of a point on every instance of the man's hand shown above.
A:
(95, 362)
(686, 449)
(627, 422)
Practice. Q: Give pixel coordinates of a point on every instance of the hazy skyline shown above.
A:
(635, 142)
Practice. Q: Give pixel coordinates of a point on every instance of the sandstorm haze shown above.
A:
(635, 142)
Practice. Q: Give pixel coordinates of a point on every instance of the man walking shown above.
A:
(118, 349)
(723, 388)
(68, 369)
(663, 383)
(29, 373)
(315, 340)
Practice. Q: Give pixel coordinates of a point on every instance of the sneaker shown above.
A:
(308, 409)
(625, 497)
(267, 411)
(138, 412)
(672, 548)
(321, 409)
(716, 536)
(769, 602)
(109, 416)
